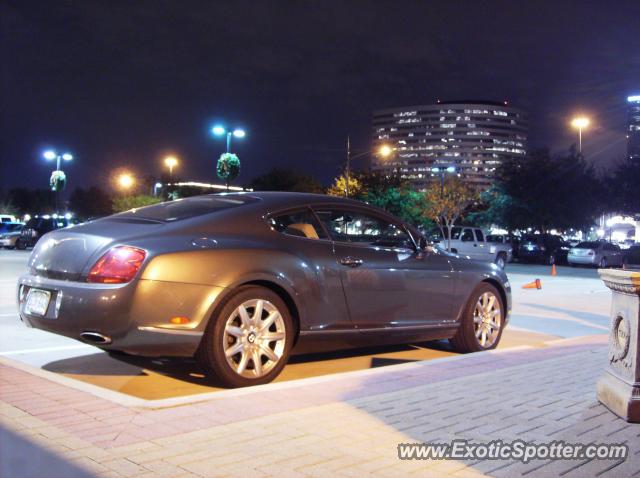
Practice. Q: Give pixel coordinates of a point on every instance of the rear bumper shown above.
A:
(582, 260)
(133, 317)
(526, 255)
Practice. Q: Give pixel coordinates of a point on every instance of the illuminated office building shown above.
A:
(473, 137)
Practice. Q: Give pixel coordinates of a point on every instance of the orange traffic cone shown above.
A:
(536, 284)
(553, 270)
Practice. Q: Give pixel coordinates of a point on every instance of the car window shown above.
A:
(299, 223)
(362, 228)
(467, 235)
(479, 235)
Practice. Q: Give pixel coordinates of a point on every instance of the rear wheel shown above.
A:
(21, 245)
(603, 263)
(482, 321)
(250, 339)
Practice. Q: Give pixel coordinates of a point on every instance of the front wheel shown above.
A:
(249, 341)
(501, 261)
(482, 322)
(603, 263)
(21, 245)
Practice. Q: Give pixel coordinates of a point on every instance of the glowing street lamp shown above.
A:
(219, 130)
(384, 151)
(580, 123)
(126, 181)
(50, 155)
(171, 162)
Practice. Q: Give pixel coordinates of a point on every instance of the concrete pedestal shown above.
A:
(619, 388)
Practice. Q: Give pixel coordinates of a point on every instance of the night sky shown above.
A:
(122, 83)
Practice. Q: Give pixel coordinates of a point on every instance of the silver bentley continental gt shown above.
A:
(242, 281)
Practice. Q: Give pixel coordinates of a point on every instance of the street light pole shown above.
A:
(348, 171)
(443, 171)
(221, 130)
(580, 123)
(384, 151)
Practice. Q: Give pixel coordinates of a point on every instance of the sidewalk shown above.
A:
(342, 425)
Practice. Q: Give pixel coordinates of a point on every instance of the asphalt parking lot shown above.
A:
(538, 316)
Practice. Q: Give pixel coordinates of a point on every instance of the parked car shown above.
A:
(38, 226)
(508, 240)
(631, 258)
(241, 281)
(7, 218)
(471, 241)
(543, 248)
(596, 253)
(9, 234)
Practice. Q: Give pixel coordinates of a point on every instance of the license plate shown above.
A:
(37, 302)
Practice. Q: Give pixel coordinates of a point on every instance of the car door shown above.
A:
(318, 276)
(483, 251)
(469, 245)
(386, 281)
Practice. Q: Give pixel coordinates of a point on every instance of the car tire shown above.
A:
(552, 260)
(501, 260)
(20, 245)
(603, 263)
(231, 329)
(475, 321)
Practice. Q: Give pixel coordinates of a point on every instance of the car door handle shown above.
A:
(351, 262)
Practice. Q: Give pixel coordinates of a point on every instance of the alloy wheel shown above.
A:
(487, 319)
(254, 338)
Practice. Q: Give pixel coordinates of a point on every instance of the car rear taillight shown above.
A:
(119, 265)
(591, 253)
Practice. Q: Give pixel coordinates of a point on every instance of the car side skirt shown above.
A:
(332, 340)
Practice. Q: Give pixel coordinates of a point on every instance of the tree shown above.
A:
(623, 187)
(551, 192)
(6, 206)
(447, 204)
(31, 201)
(280, 179)
(339, 186)
(90, 203)
(402, 201)
(494, 208)
(124, 203)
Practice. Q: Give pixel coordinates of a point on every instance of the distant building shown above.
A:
(633, 127)
(474, 137)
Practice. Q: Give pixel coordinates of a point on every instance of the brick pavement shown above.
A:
(343, 425)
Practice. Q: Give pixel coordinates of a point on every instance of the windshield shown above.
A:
(186, 208)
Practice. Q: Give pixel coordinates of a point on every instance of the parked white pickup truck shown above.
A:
(472, 242)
